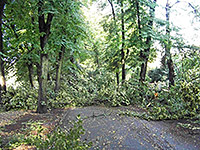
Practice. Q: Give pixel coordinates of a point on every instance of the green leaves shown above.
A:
(23, 97)
(43, 138)
(2, 55)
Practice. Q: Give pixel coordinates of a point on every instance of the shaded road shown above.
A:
(110, 131)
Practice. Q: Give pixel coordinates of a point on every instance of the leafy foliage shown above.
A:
(157, 74)
(23, 97)
(58, 139)
(176, 103)
(97, 88)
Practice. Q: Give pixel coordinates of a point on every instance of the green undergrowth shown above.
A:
(179, 101)
(44, 139)
(161, 116)
(22, 97)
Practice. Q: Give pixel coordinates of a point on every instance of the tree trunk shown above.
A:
(144, 55)
(171, 72)
(30, 73)
(114, 18)
(2, 74)
(143, 69)
(123, 44)
(170, 65)
(44, 27)
(144, 58)
(113, 10)
(42, 79)
(59, 68)
(138, 19)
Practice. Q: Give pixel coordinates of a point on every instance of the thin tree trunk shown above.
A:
(123, 44)
(117, 77)
(2, 74)
(138, 19)
(144, 55)
(59, 68)
(171, 71)
(170, 65)
(30, 73)
(114, 18)
(113, 10)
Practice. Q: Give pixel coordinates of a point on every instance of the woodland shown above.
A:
(55, 57)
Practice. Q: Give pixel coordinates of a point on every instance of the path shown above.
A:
(110, 131)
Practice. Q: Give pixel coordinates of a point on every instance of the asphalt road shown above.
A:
(110, 131)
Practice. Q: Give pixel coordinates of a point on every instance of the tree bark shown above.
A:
(44, 27)
(171, 71)
(123, 44)
(138, 19)
(144, 65)
(113, 10)
(59, 68)
(144, 55)
(2, 73)
(114, 18)
(170, 65)
(30, 73)
(42, 79)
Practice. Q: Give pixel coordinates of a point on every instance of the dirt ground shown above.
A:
(14, 122)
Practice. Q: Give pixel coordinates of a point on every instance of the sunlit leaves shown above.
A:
(22, 35)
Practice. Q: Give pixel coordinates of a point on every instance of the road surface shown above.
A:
(108, 130)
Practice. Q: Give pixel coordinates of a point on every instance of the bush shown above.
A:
(157, 74)
(23, 97)
(180, 101)
(190, 94)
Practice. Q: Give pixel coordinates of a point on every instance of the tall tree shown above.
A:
(115, 32)
(42, 68)
(59, 68)
(123, 43)
(31, 43)
(68, 34)
(144, 55)
(168, 47)
(2, 74)
(19, 38)
(167, 59)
